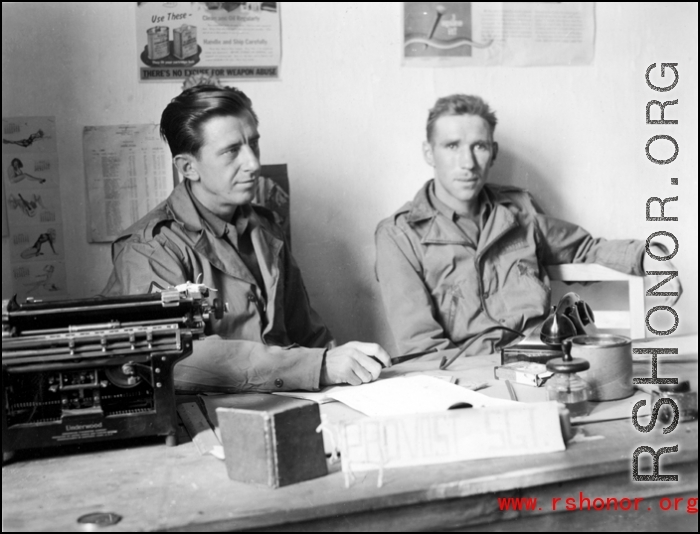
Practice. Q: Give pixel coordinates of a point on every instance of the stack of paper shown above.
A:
(410, 395)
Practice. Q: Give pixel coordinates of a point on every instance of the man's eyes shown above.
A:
(477, 146)
(236, 149)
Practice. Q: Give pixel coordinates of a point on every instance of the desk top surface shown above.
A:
(154, 487)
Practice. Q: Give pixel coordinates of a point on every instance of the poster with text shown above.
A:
(484, 33)
(128, 173)
(228, 40)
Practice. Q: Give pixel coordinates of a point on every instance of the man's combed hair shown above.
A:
(182, 120)
(460, 105)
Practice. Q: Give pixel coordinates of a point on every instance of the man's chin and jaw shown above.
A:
(238, 194)
(465, 191)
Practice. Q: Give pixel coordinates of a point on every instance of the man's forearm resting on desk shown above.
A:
(226, 365)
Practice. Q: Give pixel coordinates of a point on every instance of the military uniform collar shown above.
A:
(218, 226)
(485, 205)
(182, 208)
(422, 209)
(186, 209)
(500, 218)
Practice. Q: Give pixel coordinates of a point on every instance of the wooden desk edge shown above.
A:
(531, 482)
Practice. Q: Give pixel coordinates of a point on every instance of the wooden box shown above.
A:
(271, 440)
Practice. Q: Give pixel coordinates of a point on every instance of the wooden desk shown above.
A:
(173, 488)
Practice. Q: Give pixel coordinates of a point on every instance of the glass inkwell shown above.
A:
(565, 385)
(568, 319)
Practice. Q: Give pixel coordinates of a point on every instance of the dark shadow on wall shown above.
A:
(349, 301)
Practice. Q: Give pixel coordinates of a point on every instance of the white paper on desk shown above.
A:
(410, 395)
(319, 397)
(449, 436)
(324, 395)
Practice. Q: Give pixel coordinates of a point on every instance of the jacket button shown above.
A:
(279, 382)
(486, 294)
(251, 297)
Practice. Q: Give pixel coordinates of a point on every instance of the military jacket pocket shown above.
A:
(526, 295)
(460, 309)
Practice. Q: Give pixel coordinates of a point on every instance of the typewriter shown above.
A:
(96, 369)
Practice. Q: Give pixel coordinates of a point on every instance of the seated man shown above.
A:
(465, 259)
(207, 231)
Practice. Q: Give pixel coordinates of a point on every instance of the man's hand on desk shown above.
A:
(650, 264)
(354, 363)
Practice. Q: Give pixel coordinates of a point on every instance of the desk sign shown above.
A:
(450, 436)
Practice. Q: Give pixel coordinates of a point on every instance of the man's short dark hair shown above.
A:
(460, 105)
(182, 120)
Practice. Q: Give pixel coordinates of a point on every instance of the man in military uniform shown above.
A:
(462, 264)
(207, 230)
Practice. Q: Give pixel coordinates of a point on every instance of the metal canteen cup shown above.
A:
(610, 357)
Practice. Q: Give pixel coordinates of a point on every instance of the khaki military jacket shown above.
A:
(260, 344)
(439, 290)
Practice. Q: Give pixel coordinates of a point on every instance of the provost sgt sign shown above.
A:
(229, 40)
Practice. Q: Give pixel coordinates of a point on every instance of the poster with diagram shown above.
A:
(33, 207)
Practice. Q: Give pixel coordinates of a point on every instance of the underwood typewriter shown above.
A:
(96, 369)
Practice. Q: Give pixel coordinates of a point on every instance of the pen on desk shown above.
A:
(405, 357)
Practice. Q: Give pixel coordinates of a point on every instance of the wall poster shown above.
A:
(176, 40)
(444, 34)
(33, 207)
(128, 173)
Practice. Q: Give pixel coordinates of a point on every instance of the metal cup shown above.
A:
(610, 356)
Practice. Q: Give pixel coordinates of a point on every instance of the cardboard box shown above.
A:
(529, 373)
(271, 440)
